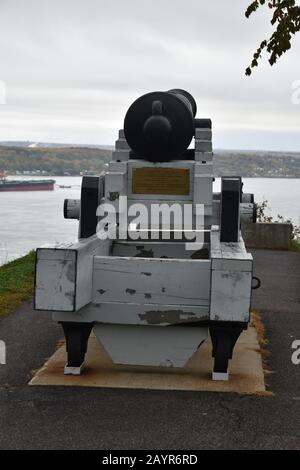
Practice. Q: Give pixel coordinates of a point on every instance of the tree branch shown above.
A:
(286, 19)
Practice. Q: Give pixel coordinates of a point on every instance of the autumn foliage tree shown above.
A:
(286, 20)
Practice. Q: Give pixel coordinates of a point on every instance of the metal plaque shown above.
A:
(173, 181)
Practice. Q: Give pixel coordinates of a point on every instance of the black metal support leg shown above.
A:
(77, 335)
(223, 340)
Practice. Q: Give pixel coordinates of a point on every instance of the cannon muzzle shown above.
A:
(159, 126)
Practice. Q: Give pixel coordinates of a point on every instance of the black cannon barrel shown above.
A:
(159, 126)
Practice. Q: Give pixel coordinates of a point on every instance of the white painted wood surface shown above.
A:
(137, 314)
(174, 250)
(55, 279)
(203, 145)
(64, 274)
(203, 133)
(161, 281)
(120, 155)
(231, 280)
(204, 168)
(203, 190)
(151, 346)
(115, 186)
(231, 295)
(203, 156)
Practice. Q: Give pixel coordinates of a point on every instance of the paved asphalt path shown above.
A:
(78, 418)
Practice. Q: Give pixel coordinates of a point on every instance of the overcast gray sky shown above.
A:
(72, 68)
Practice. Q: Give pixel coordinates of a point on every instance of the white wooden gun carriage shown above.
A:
(151, 300)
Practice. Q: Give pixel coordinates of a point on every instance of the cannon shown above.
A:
(160, 262)
(159, 126)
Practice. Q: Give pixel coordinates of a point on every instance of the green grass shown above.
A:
(295, 245)
(16, 282)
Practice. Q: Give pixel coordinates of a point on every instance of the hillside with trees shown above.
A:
(53, 161)
(78, 160)
(257, 164)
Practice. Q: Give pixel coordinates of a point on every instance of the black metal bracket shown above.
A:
(258, 283)
(223, 340)
(92, 189)
(77, 335)
(230, 209)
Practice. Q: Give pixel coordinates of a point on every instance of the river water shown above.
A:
(32, 219)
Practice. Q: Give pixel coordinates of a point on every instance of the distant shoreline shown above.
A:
(81, 176)
(71, 161)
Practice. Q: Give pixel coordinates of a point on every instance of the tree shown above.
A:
(286, 19)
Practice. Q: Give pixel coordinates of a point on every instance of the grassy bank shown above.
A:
(16, 282)
(295, 245)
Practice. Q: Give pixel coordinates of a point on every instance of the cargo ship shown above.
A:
(25, 185)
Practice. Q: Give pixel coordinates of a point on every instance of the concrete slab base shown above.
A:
(246, 371)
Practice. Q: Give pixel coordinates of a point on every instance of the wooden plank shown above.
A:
(204, 168)
(55, 280)
(64, 274)
(203, 190)
(138, 314)
(203, 134)
(204, 146)
(120, 155)
(115, 186)
(230, 295)
(119, 167)
(203, 156)
(215, 246)
(148, 314)
(232, 264)
(161, 281)
(173, 250)
(231, 280)
(228, 251)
